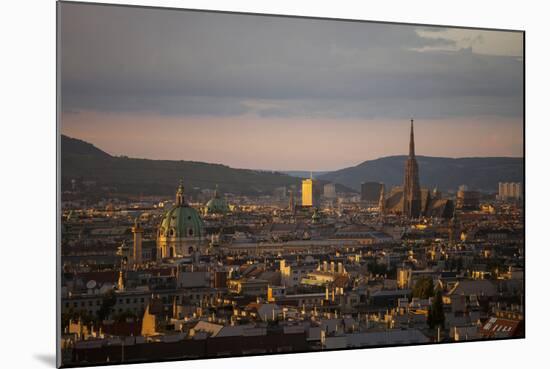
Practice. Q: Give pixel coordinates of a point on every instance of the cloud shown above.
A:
(169, 62)
(501, 43)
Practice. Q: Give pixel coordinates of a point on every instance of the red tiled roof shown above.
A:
(499, 327)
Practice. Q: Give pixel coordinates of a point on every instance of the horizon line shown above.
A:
(294, 170)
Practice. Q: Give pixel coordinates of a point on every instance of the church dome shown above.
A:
(217, 205)
(182, 221)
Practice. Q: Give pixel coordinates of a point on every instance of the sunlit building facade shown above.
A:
(311, 192)
(510, 190)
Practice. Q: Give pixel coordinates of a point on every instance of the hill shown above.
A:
(445, 173)
(82, 160)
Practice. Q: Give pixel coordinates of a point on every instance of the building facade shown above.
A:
(510, 191)
(329, 191)
(370, 192)
(311, 192)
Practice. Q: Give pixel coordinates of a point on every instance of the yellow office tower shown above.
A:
(307, 192)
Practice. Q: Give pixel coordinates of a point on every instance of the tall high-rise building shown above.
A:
(467, 199)
(411, 185)
(370, 192)
(307, 192)
(329, 191)
(279, 193)
(510, 190)
(311, 192)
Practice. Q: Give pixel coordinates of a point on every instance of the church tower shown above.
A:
(180, 199)
(120, 282)
(411, 185)
(137, 230)
(453, 228)
(382, 201)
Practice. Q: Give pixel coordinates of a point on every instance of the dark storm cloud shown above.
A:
(194, 63)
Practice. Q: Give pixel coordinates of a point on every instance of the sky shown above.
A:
(284, 93)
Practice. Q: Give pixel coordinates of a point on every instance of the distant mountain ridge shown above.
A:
(446, 173)
(74, 146)
(80, 159)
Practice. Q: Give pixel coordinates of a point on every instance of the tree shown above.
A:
(377, 269)
(109, 300)
(436, 316)
(423, 288)
(459, 264)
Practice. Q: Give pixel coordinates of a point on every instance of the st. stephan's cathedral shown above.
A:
(411, 200)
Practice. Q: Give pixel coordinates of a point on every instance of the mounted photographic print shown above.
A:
(237, 184)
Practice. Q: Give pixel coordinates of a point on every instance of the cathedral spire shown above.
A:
(411, 141)
(411, 185)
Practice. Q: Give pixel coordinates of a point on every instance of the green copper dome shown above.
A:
(216, 205)
(182, 221)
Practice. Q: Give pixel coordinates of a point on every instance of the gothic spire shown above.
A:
(411, 185)
(411, 141)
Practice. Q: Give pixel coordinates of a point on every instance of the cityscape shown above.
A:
(334, 185)
(181, 278)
